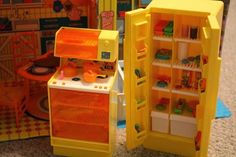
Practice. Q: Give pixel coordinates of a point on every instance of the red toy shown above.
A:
(158, 30)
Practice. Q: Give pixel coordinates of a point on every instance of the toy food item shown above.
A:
(162, 83)
(137, 127)
(138, 73)
(158, 30)
(162, 105)
(168, 30)
(180, 106)
(163, 54)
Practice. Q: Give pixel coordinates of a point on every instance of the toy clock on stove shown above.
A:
(171, 75)
(82, 93)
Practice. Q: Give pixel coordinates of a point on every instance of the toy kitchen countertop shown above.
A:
(101, 85)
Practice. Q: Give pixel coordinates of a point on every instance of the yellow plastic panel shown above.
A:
(78, 152)
(108, 43)
(170, 144)
(186, 7)
(136, 76)
(212, 82)
(56, 141)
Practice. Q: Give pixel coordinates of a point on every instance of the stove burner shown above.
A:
(76, 79)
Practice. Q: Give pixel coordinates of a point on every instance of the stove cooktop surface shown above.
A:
(102, 84)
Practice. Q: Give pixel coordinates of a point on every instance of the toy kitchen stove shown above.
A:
(80, 82)
(82, 92)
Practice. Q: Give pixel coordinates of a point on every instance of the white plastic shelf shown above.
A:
(189, 67)
(187, 93)
(161, 63)
(163, 38)
(187, 40)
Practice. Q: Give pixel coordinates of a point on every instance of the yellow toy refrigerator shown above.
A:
(82, 93)
(171, 68)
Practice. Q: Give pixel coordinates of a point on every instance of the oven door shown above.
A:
(79, 115)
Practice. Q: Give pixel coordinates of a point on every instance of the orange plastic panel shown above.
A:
(77, 43)
(80, 131)
(80, 115)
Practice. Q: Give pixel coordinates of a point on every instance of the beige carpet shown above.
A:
(223, 136)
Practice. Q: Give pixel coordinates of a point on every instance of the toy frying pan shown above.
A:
(37, 70)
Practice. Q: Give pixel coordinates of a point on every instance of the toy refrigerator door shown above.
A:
(136, 70)
(210, 43)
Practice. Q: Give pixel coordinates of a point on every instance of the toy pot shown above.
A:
(90, 76)
(70, 70)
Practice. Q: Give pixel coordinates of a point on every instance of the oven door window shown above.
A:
(80, 115)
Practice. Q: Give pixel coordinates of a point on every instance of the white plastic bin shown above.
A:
(183, 126)
(160, 121)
